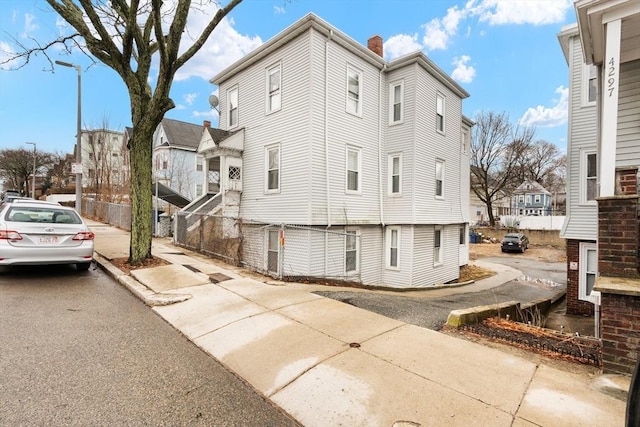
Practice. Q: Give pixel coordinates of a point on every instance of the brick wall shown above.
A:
(620, 332)
(574, 305)
(619, 236)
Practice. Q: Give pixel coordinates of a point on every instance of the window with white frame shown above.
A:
(393, 247)
(353, 170)
(591, 83)
(437, 246)
(199, 163)
(439, 178)
(589, 177)
(273, 251)
(232, 107)
(198, 190)
(537, 198)
(588, 272)
(463, 234)
(395, 173)
(272, 169)
(354, 91)
(464, 141)
(396, 102)
(440, 111)
(351, 251)
(274, 89)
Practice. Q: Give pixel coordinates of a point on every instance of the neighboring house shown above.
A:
(602, 227)
(105, 161)
(531, 198)
(478, 208)
(176, 163)
(321, 133)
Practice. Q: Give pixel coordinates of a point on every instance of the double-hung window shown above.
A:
(232, 107)
(199, 163)
(396, 102)
(588, 272)
(393, 247)
(395, 172)
(274, 89)
(439, 178)
(440, 111)
(437, 246)
(351, 251)
(272, 169)
(353, 170)
(591, 84)
(463, 234)
(354, 91)
(589, 177)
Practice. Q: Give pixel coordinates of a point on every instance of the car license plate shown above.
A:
(48, 240)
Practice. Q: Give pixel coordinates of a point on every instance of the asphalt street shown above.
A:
(79, 349)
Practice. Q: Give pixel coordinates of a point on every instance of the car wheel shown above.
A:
(524, 248)
(83, 266)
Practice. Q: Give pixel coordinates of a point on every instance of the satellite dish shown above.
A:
(213, 101)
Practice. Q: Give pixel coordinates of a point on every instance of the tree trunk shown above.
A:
(141, 196)
(492, 220)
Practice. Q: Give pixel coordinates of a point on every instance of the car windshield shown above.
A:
(514, 238)
(47, 214)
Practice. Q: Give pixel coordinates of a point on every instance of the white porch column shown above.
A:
(609, 125)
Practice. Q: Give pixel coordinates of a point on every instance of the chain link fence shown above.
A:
(282, 251)
(111, 213)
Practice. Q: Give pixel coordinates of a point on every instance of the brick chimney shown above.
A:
(375, 45)
(206, 124)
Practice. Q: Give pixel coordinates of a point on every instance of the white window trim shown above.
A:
(464, 141)
(586, 69)
(437, 262)
(392, 100)
(583, 177)
(199, 161)
(444, 113)
(435, 178)
(594, 297)
(388, 248)
(346, 170)
(390, 175)
(465, 233)
(237, 96)
(267, 149)
(537, 198)
(270, 71)
(356, 233)
(268, 231)
(358, 111)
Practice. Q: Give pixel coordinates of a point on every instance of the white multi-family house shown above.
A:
(176, 163)
(602, 228)
(105, 161)
(365, 160)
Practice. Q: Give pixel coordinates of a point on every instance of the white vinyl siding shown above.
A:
(396, 103)
(395, 174)
(274, 89)
(353, 170)
(628, 132)
(232, 107)
(272, 169)
(440, 113)
(354, 91)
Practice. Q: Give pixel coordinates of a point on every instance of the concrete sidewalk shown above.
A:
(328, 363)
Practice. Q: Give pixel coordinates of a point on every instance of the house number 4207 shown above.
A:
(611, 80)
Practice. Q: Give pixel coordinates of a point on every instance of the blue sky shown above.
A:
(505, 53)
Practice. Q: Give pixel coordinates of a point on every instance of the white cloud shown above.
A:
(536, 12)
(463, 73)
(542, 116)
(279, 10)
(6, 55)
(29, 25)
(439, 31)
(190, 97)
(401, 44)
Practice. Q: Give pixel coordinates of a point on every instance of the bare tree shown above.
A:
(536, 163)
(60, 172)
(16, 166)
(496, 148)
(129, 36)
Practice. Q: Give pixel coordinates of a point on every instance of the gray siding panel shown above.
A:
(628, 137)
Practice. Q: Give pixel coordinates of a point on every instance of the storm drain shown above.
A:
(218, 277)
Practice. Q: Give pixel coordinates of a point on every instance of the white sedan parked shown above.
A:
(34, 232)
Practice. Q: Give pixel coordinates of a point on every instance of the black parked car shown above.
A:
(515, 242)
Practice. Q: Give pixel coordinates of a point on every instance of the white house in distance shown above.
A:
(603, 227)
(366, 160)
(105, 161)
(176, 164)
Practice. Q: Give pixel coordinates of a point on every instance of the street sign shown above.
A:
(76, 168)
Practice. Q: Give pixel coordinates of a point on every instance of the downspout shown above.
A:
(326, 125)
(380, 119)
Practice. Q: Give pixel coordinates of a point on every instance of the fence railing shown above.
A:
(111, 213)
(278, 250)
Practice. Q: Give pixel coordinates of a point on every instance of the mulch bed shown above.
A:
(571, 348)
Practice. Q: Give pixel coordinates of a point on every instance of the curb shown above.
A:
(143, 293)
